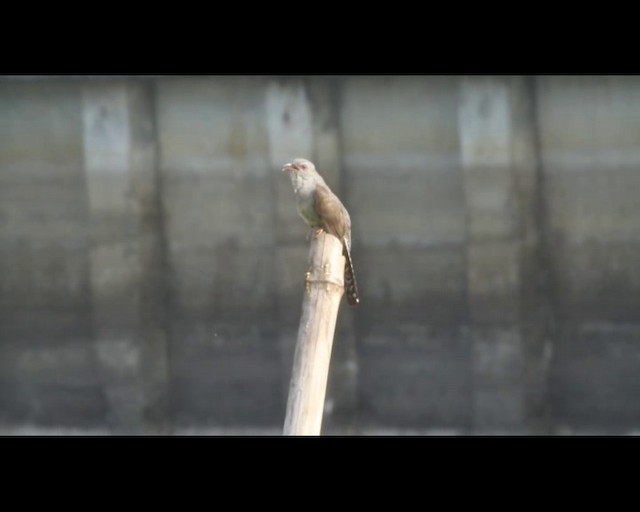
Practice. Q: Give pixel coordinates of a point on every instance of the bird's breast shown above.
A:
(307, 212)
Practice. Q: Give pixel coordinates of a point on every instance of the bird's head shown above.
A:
(300, 166)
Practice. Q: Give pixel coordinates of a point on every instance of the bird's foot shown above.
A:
(316, 233)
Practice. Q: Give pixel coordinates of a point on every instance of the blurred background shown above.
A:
(152, 260)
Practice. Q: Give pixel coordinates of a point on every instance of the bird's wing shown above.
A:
(333, 215)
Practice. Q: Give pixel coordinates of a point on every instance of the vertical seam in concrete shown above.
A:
(138, 365)
(466, 330)
(486, 135)
(273, 192)
(163, 246)
(92, 331)
(546, 281)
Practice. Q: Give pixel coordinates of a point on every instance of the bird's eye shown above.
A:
(303, 167)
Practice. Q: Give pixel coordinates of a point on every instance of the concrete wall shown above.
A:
(152, 261)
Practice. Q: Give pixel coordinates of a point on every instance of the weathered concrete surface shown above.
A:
(152, 261)
(46, 359)
(589, 135)
(127, 253)
(590, 155)
(422, 377)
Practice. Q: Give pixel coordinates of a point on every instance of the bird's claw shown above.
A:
(316, 233)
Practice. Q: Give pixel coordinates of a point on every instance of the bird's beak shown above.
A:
(289, 167)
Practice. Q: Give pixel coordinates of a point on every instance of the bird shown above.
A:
(321, 210)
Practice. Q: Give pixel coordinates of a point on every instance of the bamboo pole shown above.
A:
(324, 286)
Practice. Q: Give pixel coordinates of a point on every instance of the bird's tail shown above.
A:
(350, 286)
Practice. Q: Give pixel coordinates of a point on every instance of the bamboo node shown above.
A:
(307, 283)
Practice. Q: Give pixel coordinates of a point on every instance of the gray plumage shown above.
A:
(320, 208)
